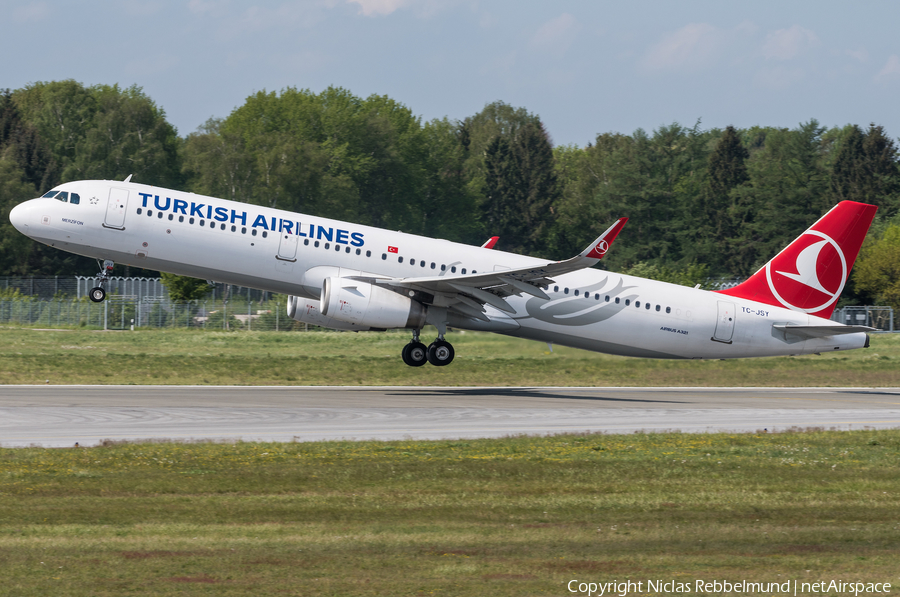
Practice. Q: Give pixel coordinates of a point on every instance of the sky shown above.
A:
(585, 67)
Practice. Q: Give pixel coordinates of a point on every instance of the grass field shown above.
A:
(29, 356)
(515, 516)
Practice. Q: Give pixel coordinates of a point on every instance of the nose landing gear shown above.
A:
(97, 293)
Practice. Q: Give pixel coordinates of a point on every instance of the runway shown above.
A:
(54, 416)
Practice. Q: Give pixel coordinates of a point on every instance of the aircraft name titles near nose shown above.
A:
(272, 224)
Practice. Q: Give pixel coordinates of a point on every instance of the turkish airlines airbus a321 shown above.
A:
(350, 277)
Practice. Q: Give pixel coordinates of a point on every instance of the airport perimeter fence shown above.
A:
(881, 318)
(69, 287)
(122, 313)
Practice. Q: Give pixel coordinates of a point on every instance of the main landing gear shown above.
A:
(97, 293)
(438, 353)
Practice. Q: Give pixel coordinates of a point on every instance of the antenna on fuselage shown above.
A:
(129, 178)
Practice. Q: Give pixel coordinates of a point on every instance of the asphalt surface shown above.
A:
(54, 416)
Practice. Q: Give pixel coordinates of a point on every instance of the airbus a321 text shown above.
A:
(350, 277)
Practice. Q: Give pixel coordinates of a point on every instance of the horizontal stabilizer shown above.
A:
(821, 331)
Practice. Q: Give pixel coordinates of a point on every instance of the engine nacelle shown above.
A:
(308, 311)
(366, 304)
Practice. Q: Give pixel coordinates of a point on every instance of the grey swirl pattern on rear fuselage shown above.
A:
(578, 310)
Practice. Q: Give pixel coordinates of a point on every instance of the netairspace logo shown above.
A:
(790, 587)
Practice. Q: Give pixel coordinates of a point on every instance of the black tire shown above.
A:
(440, 353)
(415, 354)
(97, 294)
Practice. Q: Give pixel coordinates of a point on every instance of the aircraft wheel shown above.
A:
(440, 353)
(97, 294)
(415, 354)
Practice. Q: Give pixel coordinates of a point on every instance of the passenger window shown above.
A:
(202, 223)
(253, 233)
(306, 242)
(348, 250)
(74, 199)
(443, 267)
(358, 251)
(337, 248)
(159, 215)
(181, 218)
(243, 230)
(452, 269)
(464, 270)
(607, 298)
(171, 217)
(149, 213)
(191, 221)
(636, 304)
(627, 302)
(668, 309)
(221, 227)
(368, 253)
(412, 261)
(576, 292)
(265, 234)
(617, 300)
(316, 244)
(233, 227)
(399, 259)
(556, 289)
(384, 256)
(566, 291)
(422, 263)
(657, 308)
(139, 210)
(647, 306)
(433, 265)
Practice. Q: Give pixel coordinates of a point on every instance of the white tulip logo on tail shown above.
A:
(800, 276)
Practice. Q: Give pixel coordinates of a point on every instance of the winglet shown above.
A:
(598, 248)
(489, 243)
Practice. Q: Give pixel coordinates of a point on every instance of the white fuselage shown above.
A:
(291, 253)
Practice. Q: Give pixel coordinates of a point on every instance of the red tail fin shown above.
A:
(809, 274)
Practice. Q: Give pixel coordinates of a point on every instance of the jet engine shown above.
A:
(308, 311)
(369, 305)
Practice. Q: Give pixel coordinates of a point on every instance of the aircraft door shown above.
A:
(725, 323)
(115, 209)
(287, 247)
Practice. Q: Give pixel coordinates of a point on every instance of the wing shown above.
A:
(468, 294)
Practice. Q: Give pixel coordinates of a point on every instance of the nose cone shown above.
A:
(18, 216)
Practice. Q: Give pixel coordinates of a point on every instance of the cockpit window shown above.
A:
(64, 196)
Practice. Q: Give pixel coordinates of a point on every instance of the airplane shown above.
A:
(346, 276)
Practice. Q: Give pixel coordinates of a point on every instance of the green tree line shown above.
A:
(702, 202)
